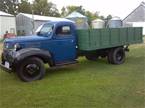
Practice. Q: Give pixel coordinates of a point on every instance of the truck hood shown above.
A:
(26, 39)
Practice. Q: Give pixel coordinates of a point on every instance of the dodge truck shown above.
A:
(58, 43)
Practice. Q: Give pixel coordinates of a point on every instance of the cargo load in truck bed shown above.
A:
(108, 37)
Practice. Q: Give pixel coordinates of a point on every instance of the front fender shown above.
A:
(28, 52)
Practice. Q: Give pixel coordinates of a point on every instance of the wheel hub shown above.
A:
(119, 56)
(32, 69)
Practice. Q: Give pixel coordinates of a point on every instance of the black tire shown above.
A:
(109, 57)
(91, 57)
(2, 57)
(31, 69)
(116, 56)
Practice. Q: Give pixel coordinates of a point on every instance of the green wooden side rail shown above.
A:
(108, 37)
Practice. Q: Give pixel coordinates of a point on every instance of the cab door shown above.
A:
(64, 43)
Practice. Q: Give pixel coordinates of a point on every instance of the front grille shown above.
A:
(7, 55)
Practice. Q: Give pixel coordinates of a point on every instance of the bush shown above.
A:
(1, 40)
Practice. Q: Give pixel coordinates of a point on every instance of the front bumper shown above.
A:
(8, 55)
(6, 69)
(7, 58)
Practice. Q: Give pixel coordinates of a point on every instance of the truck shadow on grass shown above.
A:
(101, 65)
(82, 66)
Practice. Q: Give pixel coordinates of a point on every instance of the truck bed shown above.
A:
(94, 39)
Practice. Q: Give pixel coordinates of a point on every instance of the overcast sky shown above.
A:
(119, 8)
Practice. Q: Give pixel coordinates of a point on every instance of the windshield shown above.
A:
(45, 30)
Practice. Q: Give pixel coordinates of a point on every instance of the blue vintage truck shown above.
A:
(58, 43)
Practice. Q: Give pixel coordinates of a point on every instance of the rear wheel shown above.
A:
(116, 56)
(31, 69)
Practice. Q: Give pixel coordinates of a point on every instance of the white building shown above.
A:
(27, 24)
(136, 18)
(7, 23)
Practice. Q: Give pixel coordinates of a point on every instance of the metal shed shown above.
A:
(27, 24)
(80, 20)
(7, 23)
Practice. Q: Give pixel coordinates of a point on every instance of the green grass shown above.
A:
(85, 85)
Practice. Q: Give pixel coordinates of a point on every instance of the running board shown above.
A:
(66, 63)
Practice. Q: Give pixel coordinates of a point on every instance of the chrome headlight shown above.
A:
(6, 45)
(17, 46)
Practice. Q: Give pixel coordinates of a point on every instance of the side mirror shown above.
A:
(38, 33)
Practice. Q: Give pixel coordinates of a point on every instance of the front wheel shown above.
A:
(116, 56)
(31, 69)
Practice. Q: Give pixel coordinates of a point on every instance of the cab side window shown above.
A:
(63, 30)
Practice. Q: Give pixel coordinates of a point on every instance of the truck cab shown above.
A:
(60, 41)
(54, 43)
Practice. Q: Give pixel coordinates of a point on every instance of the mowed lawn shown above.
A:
(87, 84)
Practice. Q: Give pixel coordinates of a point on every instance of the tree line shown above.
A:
(46, 8)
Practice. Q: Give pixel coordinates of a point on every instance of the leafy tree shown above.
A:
(109, 17)
(40, 7)
(102, 17)
(43, 7)
(9, 6)
(53, 11)
(25, 7)
(91, 16)
(63, 12)
(69, 9)
(79, 9)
